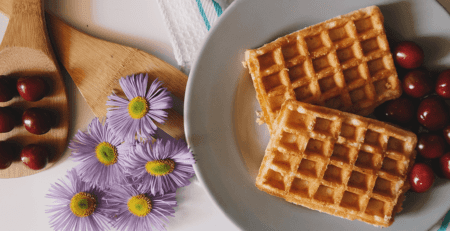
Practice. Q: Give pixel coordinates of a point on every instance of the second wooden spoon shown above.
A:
(96, 65)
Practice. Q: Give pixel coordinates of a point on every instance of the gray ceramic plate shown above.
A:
(221, 103)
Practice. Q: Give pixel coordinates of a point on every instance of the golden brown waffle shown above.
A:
(338, 163)
(343, 63)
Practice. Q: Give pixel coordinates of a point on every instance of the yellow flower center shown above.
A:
(83, 204)
(139, 205)
(106, 153)
(138, 107)
(160, 167)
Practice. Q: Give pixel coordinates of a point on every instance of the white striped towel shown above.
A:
(188, 22)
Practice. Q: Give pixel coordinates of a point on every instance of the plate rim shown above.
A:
(186, 109)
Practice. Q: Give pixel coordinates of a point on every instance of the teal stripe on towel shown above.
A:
(217, 7)
(445, 222)
(202, 13)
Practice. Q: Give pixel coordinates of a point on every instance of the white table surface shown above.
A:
(135, 23)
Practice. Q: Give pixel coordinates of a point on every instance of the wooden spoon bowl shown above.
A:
(26, 51)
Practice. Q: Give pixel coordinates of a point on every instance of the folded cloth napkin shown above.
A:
(189, 21)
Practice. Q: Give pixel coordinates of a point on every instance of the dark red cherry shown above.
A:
(37, 120)
(417, 83)
(408, 55)
(7, 120)
(7, 90)
(35, 156)
(444, 164)
(32, 88)
(443, 84)
(421, 177)
(400, 110)
(432, 113)
(6, 155)
(431, 145)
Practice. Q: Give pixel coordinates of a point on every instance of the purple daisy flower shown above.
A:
(162, 166)
(100, 153)
(78, 205)
(140, 210)
(135, 115)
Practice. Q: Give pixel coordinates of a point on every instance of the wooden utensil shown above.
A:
(26, 51)
(96, 66)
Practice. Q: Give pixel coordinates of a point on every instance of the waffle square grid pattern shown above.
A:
(343, 63)
(339, 163)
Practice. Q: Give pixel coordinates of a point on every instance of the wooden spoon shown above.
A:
(26, 51)
(96, 66)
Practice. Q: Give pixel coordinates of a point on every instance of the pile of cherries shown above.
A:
(421, 109)
(35, 120)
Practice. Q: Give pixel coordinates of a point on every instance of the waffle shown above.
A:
(343, 63)
(338, 163)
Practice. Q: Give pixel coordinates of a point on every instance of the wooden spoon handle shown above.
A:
(26, 27)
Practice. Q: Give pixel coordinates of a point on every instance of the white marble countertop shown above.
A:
(136, 23)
